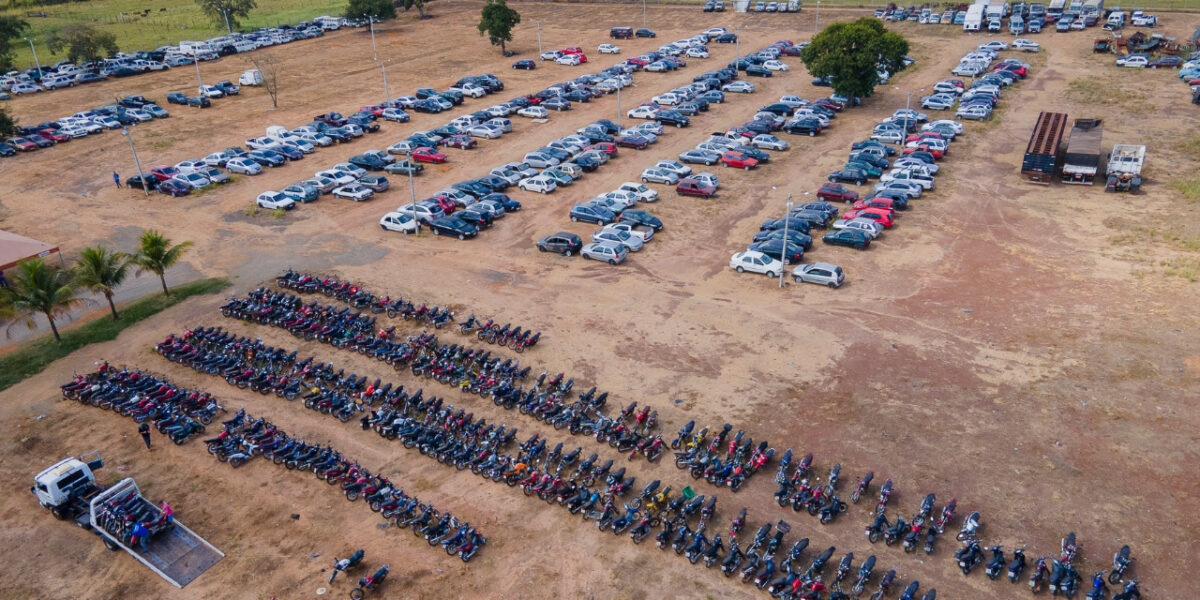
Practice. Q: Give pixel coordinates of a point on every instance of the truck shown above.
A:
(69, 490)
(1125, 168)
(1082, 160)
(1056, 8)
(974, 17)
(996, 9)
(251, 77)
(1041, 155)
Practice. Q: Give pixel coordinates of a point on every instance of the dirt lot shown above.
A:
(1027, 350)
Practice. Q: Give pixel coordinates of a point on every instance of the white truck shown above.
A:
(974, 17)
(251, 77)
(1125, 168)
(68, 489)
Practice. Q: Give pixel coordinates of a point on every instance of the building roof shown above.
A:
(16, 248)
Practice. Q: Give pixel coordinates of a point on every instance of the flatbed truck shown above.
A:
(1125, 168)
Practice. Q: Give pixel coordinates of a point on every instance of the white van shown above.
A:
(251, 77)
(1116, 20)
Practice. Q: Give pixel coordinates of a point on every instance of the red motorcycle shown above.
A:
(369, 583)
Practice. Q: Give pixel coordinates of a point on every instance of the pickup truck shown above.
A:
(332, 118)
(68, 489)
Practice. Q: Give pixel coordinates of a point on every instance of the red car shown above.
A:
(582, 58)
(882, 216)
(374, 109)
(632, 141)
(429, 155)
(636, 61)
(51, 134)
(609, 148)
(880, 202)
(448, 206)
(829, 104)
(333, 118)
(572, 50)
(923, 135)
(738, 160)
(460, 140)
(23, 144)
(742, 131)
(1011, 68)
(693, 187)
(163, 172)
(936, 152)
(836, 192)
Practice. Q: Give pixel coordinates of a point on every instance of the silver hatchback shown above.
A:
(819, 273)
(608, 252)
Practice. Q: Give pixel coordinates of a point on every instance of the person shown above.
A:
(117, 179)
(168, 512)
(140, 533)
(3, 281)
(144, 430)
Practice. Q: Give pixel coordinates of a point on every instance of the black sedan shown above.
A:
(587, 163)
(142, 182)
(525, 64)
(848, 237)
(646, 33)
(773, 248)
(791, 223)
(670, 117)
(173, 188)
(855, 176)
(796, 237)
(640, 217)
(758, 71)
(509, 204)
(176, 98)
(476, 218)
(563, 243)
(454, 227)
(369, 162)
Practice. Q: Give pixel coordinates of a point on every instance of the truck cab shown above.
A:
(65, 487)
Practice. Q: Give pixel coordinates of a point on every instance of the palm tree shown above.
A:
(156, 254)
(102, 270)
(40, 289)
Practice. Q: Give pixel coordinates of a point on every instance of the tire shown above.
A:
(612, 261)
(812, 134)
(770, 274)
(111, 545)
(435, 232)
(567, 254)
(740, 270)
(461, 237)
(747, 167)
(575, 220)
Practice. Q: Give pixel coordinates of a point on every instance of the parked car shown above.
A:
(243, 165)
(630, 241)
(848, 237)
(778, 248)
(755, 262)
(542, 184)
(427, 154)
(590, 213)
(398, 221)
(454, 227)
(354, 191)
(692, 187)
(855, 176)
(698, 156)
(563, 243)
(172, 187)
(275, 200)
(659, 175)
(738, 160)
(820, 273)
(836, 192)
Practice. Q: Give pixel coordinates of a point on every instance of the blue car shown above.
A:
(589, 213)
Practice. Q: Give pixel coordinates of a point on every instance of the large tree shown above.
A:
(853, 53)
(83, 42)
(39, 289)
(411, 4)
(8, 125)
(11, 29)
(379, 10)
(233, 10)
(102, 270)
(155, 254)
(497, 22)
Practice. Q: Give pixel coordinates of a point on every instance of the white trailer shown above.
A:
(1125, 168)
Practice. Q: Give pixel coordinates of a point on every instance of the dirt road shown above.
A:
(1022, 349)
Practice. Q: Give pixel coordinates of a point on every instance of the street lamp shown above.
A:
(817, 22)
(228, 29)
(783, 247)
(643, 13)
(196, 61)
(374, 54)
(383, 67)
(412, 190)
(738, 42)
(619, 103)
(136, 161)
(35, 58)
(539, 27)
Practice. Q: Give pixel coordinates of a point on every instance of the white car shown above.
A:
(643, 112)
(774, 65)
(499, 110)
(1026, 45)
(888, 136)
(353, 192)
(211, 91)
(504, 125)
(608, 49)
(908, 161)
(925, 181)
(490, 132)
(397, 221)
(973, 111)
(195, 181)
(907, 114)
(338, 176)
(952, 124)
(625, 198)
(616, 236)
(471, 90)
(658, 175)
(1135, 61)
(645, 234)
(994, 45)
(73, 130)
(534, 112)
(552, 54)
(755, 262)
(395, 114)
(766, 141)
(863, 224)
(716, 144)
(740, 87)
(275, 200)
(191, 166)
(244, 166)
(707, 178)
(695, 52)
(667, 99)
(354, 170)
(314, 138)
(675, 167)
(642, 192)
(539, 183)
(508, 175)
(570, 60)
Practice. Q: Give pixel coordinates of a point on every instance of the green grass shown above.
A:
(1190, 188)
(182, 20)
(33, 356)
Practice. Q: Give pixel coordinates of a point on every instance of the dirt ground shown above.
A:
(1026, 350)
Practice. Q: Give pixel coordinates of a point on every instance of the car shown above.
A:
(214, 175)
(693, 187)
(698, 156)
(868, 226)
(143, 181)
(375, 183)
(938, 102)
(427, 154)
(176, 98)
(560, 177)
(454, 227)
(848, 237)
(274, 201)
(643, 112)
(591, 213)
(1165, 61)
(775, 65)
(883, 216)
(172, 187)
(740, 87)
(542, 184)
(556, 104)
(738, 160)
(820, 273)
(460, 140)
(767, 141)
(195, 181)
(396, 115)
(696, 52)
(1026, 45)
(850, 175)
(608, 49)
(485, 131)
(164, 172)
(755, 262)
(569, 60)
(301, 192)
(639, 190)
(534, 112)
(605, 251)
(641, 217)
(836, 192)
(994, 45)
(398, 221)
(563, 243)
(243, 165)
(369, 162)
(632, 141)
(632, 242)
(643, 232)
(910, 175)
(778, 248)
(354, 191)
(646, 33)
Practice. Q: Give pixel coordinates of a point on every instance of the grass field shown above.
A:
(168, 21)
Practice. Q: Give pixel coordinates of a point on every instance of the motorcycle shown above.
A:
(995, 564)
(346, 564)
(862, 487)
(1121, 562)
(968, 557)
(371, 583)
(970, 527)
(1016, 565)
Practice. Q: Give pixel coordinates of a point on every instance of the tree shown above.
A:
(11, 29)
(497, 22)
(8, 125)
(852, 53)
(83, 43)
(40, 289)
(411, 4)
(379, 10)
(268, 66)
(226, 13)
(155, 254)
(102, 270)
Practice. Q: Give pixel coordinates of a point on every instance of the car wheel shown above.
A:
(462, 237)
(831, 285)
(574, 219)
(436, 232)
(612, 261)
(740, 270)
(644, 180)
(747, 167)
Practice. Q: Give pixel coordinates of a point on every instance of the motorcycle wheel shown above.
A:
(1114, 577)
(873, 537)
(356, 593)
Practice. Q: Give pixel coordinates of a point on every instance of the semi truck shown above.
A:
(69, 490)
(1082, 160)
(1125, 168)
(1041, 155)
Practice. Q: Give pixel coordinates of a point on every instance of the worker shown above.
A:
(117, 179)
(144, 430)
(140, 533)
(168, 512)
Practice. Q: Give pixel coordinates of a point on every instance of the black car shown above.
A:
(427, 106)
(454, 97)
(850, 175)
(199, 101)
(142, 182)
(421, 140)
(173, 188)
(740, 64)
(288, 151)
(755, 153)
(726, 38)
(475, 218)
(791, 222)
(453, 226)
(423, 93)
(670, 117)
(577, 96)
(367, 125)
(758, 71)
(176, 98)
(871, 159)
(587, 163)
(899, 201)
(778, 108)
(890, 151)
(562, 242)
(369, 162)
(493, 183)
(758, 126)
(646, 33)
(140, 101)
(848, 237)
(638, 216)
(509, 204)
(473, 188)
(774, 247)
(818, 218)
(823, 206)
(794, 236)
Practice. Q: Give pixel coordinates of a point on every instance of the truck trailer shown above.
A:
(1124, 169)
(1041, 155)
(1082, 161)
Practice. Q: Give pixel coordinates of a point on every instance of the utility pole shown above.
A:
(412, 190)
(783, 247)
(383, 67)
(643, 13)
(35, 58)
(738, 43)
(618, 105)
(136, 161)
(374, 54)
(539, 27)
(817, 22)
(196, 60)
(228, 29)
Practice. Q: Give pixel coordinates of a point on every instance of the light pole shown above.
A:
(643, 14)
(412, 190)
(374, 54)
(738, 43)
(196, 61)
(783, 247)
(35, 58)
(228, 29)
(817, 22)
(383, 67)
(136, 161)
(539, 27)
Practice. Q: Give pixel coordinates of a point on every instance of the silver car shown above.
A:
(606, 251)
(819, 273)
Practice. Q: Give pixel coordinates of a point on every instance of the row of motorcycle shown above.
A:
(175, 412)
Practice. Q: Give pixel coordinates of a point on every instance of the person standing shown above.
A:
(117, 179)
(168, 512)
(140, 533)
(144, 430)
(3, 281)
